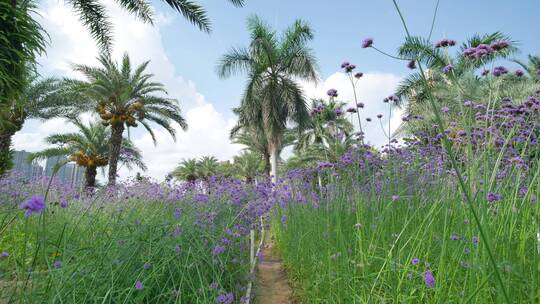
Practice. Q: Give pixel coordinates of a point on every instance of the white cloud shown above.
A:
(372, 88)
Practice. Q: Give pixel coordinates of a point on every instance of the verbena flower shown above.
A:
(379, 116)
(493, 197)
(444, 43)
(139, 285)
(499, 71)
(445, 109)
(332, 93)
(147, 266)
(358, 75)
(429, 279)
(411, 64)
(447, 69)
(395, 198)
(367, 42)
(519, 73)
(415, 261)
(4, 254)
(225, 298)
(57, 264)
(218, 250)
(36, 204)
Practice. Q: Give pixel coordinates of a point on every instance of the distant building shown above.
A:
(22, 166)
(68, 173)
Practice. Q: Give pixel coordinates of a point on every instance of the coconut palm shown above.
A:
(273, 96)
(40, 99)
(187, 170)
(88, 148)
(125, 97)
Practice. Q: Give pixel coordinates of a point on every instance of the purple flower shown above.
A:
(379, 116)
(63, 204)
(395, 198)
(218, 250)
(454, 237)
(447, 69)
(519, 73)
(444, 43)
(36, 204)
(499, 71)
(429, 279)
(493, 197)
(57, 264)
(283, 219)
(147, 266)
(368, 119)
(358, 75)
(415, 261)
(351, 110)
(350, 68)
(4, 254)
(361, 104)
(332, 93)
(177, 249)
(499, 45)
(214, 285)
(445, 109)
(225, 298)
(411, 65)
(475, 240)
(177, 213)
(345, 64)
(367, 42)
(139, 285)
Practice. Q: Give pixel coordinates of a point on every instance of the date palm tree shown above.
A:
(88, 148)
(187, 170)
(247, 165)
(274, 64)
(125, 97)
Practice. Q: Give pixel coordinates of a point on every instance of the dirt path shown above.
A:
(272, 284)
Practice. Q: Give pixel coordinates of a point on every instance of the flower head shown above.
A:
(447, 69)
(411, 65)
(57, 264)
(358, 75)
(36, 204)
(139, 285)
(499, 71)
(493, 197)
(429, 279)
(225, 298)
(415, 261)
(4, 254)
(332, 93)
(367, 42)
(519, 73)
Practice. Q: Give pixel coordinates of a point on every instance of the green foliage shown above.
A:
(274, 65)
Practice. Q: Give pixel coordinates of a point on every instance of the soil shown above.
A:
(272, 284)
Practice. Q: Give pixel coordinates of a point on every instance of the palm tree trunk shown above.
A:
(90, 178)
(115, 143)
(5, 151)
(267, 163)
(274, 155)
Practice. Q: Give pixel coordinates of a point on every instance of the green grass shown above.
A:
(330, 260)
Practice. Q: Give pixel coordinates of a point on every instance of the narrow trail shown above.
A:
(273, 286)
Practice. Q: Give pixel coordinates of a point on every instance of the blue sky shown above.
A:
(339, 29)
(184, 58)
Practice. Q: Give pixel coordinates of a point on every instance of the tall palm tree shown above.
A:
(40, 99)
(88, 148)
(274, 65)
(125, 98)
(187, 170)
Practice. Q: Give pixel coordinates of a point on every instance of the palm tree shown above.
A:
(93, 14)
(125, 98)
(188, 170)
(40, 99)
(532, 67)
(88, 148)
(207, 167)
(327, 121)
(274, 66)
(247, 165)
